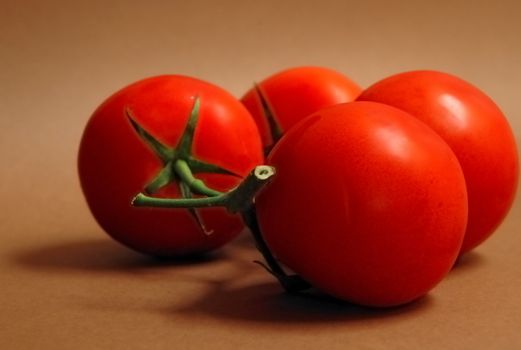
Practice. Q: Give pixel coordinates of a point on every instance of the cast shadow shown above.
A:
(468, 261)
(99, 255)
(244, 241)
(226, 297)
(268, 303)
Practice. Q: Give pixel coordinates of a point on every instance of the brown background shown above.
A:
(64, 284)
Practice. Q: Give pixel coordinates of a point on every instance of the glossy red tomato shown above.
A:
(295, 93)
(476, 130)
(368, 204)
(130, 144)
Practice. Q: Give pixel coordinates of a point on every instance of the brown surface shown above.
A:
(64, 284)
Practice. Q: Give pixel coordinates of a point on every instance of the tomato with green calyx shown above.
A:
(476, 130)
(167, 136)
(368, 204)
(283, 99)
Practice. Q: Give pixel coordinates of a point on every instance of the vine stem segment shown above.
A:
(238, 200)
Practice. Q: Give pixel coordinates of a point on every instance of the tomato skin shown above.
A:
(114, 164)
(368, 204)
(475, 129)
(295, 93)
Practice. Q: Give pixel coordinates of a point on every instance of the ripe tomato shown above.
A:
(293, 94)
(475, 129)
(129, 145)
(368, 204)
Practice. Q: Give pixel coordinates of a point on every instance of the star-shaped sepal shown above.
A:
(179, 164)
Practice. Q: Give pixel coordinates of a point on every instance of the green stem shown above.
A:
(241, 198)
(274, 126)
(238, 200)
(290, 283)
(198, 186)
(142, 200)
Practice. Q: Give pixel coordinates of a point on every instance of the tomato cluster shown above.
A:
(368, 195)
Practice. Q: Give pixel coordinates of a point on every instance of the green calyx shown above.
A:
(269, 115)
(179, 164)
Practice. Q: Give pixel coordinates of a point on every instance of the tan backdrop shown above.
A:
(65, 284)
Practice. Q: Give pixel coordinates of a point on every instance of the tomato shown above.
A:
(476, 130)
(128, 147)
(293, 94)
(368, 204)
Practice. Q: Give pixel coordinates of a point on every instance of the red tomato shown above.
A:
(115, 162)
(475, 129)
(368, 204)
(294, 94)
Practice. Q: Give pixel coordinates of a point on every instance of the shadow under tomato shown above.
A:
(268, 303)
(244, 240)
(99, 255)
(224, 296)
(468, 261)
